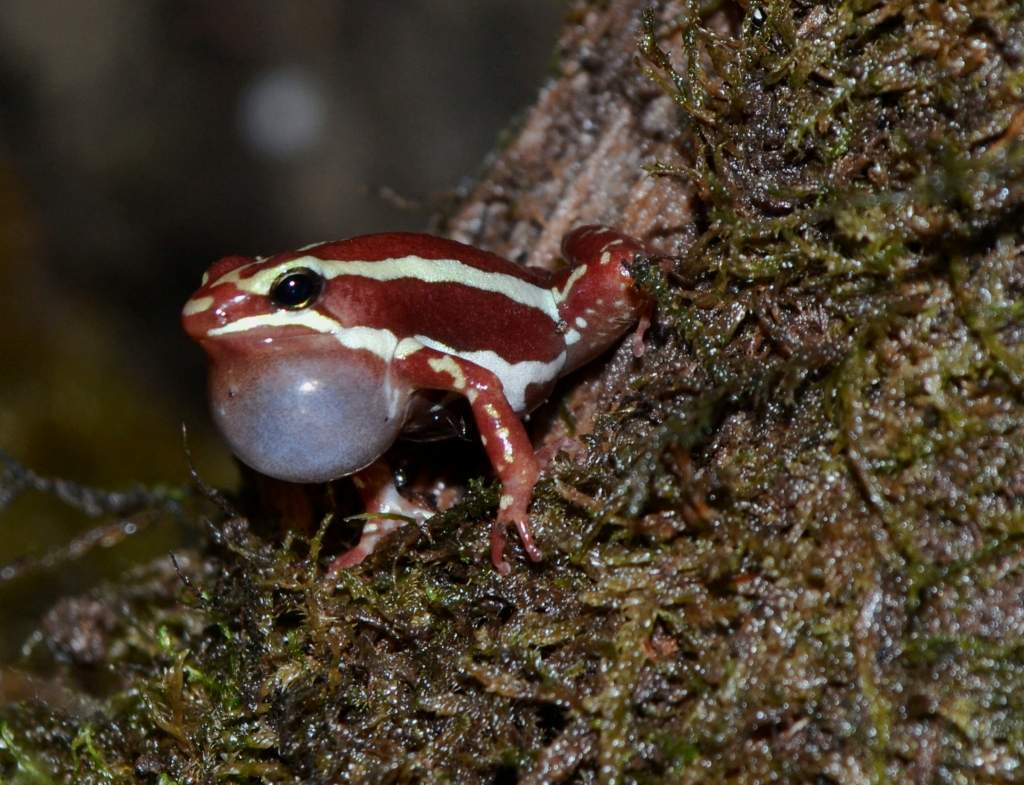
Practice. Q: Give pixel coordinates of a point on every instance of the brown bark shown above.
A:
(578, 157)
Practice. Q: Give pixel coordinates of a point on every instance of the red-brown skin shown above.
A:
(314, 393)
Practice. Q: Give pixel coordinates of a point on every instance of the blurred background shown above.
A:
(142, 139)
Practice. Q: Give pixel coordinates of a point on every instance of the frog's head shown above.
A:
(298, 393)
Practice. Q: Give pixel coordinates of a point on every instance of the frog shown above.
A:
(321, 358)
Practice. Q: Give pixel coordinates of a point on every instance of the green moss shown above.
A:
(18, 766)
(790, 550)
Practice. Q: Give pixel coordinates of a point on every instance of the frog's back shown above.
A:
(450, 296)
(416, 248)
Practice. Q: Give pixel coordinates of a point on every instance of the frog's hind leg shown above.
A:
(504, 438)
(376, 486)
(596, 296)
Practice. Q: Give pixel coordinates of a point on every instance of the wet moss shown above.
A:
(789, 551)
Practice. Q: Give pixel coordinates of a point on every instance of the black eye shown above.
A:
(296, 289)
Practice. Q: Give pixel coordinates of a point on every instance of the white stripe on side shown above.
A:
(379, 342)
(514, 377)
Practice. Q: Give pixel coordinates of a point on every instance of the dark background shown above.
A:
(142, 139)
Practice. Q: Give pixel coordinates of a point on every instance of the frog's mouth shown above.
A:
(306, 418)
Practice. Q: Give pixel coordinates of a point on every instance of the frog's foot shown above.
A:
(512, 511)
(374, 530)
(377, 489)
(642, 326)
(567, 444)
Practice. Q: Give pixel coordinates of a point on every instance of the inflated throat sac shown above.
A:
(304, 419)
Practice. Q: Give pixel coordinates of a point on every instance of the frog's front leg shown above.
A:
(505, 440)
(376, 487)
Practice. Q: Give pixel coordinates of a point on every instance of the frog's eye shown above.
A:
(296, 288)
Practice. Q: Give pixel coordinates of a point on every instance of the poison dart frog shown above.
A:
(321, 358)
